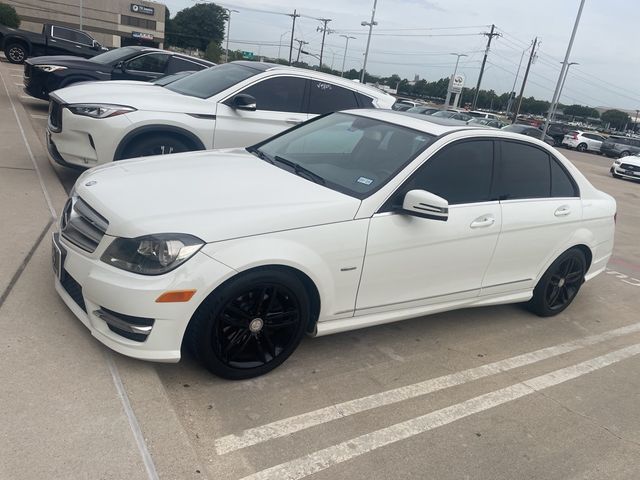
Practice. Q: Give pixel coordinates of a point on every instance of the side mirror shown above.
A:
(421, 203)
(96, 46)
(119, 66)
(242, 101)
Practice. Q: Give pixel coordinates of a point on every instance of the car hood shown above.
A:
(136, 95)
(631, 160)
(214, 195)
(69, 61)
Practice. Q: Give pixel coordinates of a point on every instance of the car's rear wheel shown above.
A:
(560, 284)
(625, 154)
(156, 144)
(16, 52)
(582, 147)
(251, 324)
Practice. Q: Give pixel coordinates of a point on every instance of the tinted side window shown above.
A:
(64, 33)
(151, 62)
(325, 97)
(177, 64)
(280, 94)
(461, 173)
(524, 172)
(364, 101)
(561, 184)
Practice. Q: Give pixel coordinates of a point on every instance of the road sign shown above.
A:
(456, 82)
(247, 55)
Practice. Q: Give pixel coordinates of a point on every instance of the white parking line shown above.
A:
(43, 117)
(19, 84)
(14, 75)
(336, 454)
(290, 425)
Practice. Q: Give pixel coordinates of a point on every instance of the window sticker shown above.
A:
(323, 86)
(365, 180)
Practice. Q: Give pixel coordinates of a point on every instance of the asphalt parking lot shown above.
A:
(491, 393)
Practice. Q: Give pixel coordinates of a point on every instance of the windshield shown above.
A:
(208, 82)
(348, 153)
(444, 114)
(167, 79)
(113, 55)
(515, 128)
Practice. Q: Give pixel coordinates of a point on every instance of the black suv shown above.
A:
(616, 146)
(557, 131)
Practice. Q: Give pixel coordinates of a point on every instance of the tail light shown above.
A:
(574, 136)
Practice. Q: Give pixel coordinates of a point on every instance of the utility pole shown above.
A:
(344, 58)
(554, 100)
(553, 115)
(370, 24)
(293, 15)
(524, 80)
(515, 80)
(229, 12)
(80, 15)
(491, 34)
(300, 43)
(455, 70)
(324, 32)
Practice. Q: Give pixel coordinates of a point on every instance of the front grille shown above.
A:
(55, 115)
(633, 168)
(82, 225)
(74, 290)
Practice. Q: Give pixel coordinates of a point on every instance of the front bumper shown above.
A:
(90, 288)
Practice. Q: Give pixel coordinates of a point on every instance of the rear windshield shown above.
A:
(208, 82)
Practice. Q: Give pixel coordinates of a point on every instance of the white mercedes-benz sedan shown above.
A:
(352, 219)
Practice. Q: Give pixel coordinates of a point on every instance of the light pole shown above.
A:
(636, 122)
(515, 80)
(455, 70)
(344, 57)
(370, 24)
(553, 115)
(229, 12)
(324, 33)
(554, 100)
(280, 43)
(81, 15)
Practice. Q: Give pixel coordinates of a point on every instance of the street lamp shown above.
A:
(229, 12)
(553, 114)
(455, 70)
(370, 24)
(344, 58)
(280, 42)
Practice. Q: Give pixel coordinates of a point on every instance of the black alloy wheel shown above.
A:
(582, 147)
(560, 284)
(15, 53)
(157, 144)
(252, 325)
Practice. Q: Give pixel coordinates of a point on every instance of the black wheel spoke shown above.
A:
(260, 349)
(281, 320)
(234, 321)
(553, 296)
(574, 277)
(267, 341)
(238, 312)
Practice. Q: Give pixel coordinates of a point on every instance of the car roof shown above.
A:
(343, 82)
(416, 121)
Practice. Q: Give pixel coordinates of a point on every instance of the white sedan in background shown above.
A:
(231, 105)
(626, 167)
(354, 219)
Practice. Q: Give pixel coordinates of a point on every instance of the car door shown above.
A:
(541, 209)
(147, 66)
(593, 141)
(412, 261)
(279, 104)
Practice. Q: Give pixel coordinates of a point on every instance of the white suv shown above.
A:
(231, 105)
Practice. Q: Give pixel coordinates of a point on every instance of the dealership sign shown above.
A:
(135, 8)
(142, 35)
(456, 82)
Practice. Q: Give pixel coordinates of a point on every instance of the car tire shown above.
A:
(624, 154)
(250, 325)
(613, 173)
(582, 147)
(16, 53)
(559, 285)
(154, 144)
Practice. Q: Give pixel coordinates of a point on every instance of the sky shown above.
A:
(417, 37)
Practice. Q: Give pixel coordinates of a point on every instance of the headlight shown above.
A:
(617, 162)
(50, 68)
(151, 254)
(99, 110)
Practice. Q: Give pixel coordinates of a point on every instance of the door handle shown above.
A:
(293, 121)
(78, 46)
(562, 211)
(483, 221)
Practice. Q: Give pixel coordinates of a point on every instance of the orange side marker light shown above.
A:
(176, 296)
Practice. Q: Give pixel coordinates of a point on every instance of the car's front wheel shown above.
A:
(15, 52)
(560, 284)
(156, 144)
(624, 154)
(251, 324)
(613, 173)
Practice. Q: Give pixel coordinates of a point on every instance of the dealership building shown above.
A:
(113, 23)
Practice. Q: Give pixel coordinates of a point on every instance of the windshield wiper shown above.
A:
(301, 171)
(260, 154)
